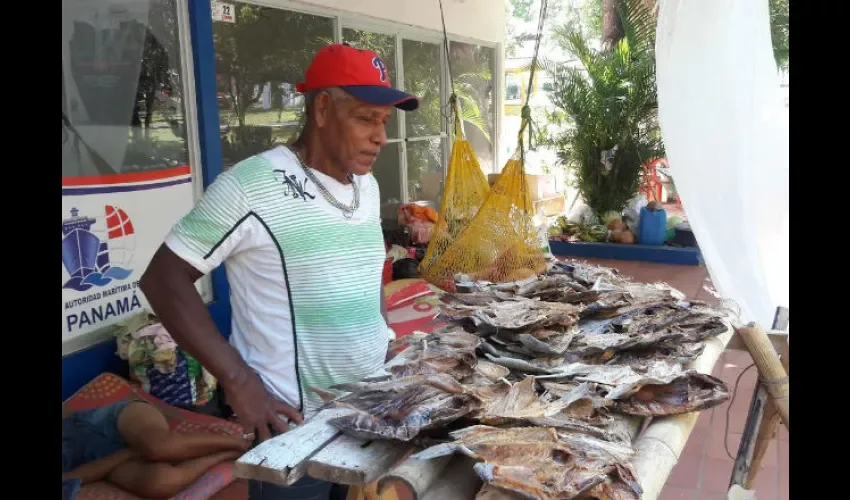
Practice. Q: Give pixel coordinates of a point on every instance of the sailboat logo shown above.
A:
(97, 250)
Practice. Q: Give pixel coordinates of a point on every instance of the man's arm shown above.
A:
(169, 285)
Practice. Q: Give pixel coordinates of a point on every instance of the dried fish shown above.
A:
(451, 352)
(622, 381)
(534, 462)
(552, 346)
(583, 403)
(401, 409)
(518, 401)
(565, 363)
(515, 315)
(688, 393)
(621, 485)
(520, 365)
(678, 353)
(486, 372)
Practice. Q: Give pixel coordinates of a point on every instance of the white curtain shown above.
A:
(725, 128)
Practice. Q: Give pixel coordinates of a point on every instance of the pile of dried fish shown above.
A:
(526, 378)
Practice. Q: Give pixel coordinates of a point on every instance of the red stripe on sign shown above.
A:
(155, 175)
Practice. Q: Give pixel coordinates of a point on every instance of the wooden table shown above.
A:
(321, 451)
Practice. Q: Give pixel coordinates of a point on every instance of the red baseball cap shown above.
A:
(361, 73)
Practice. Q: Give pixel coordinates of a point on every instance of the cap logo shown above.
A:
(378, 63)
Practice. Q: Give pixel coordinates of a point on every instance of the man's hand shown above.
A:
(255, 408)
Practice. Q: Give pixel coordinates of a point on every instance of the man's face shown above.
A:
(354, 132)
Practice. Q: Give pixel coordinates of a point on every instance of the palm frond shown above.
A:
(609, 101)
(638, 24)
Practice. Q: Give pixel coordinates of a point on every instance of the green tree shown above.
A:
(264, 45)
(611, 105)
(779, 32)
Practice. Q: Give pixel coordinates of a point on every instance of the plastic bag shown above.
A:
(631, 214)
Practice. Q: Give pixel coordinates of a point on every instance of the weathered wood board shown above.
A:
(283, 459)
(348, 460)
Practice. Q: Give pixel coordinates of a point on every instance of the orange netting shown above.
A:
(499, 244)
(465, 192)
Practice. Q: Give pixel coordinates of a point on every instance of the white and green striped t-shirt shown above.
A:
(305, 281)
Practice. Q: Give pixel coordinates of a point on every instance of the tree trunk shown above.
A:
(612, 28)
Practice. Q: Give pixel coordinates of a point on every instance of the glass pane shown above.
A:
(384, 46)
(422, 79)
(259, 59)
(387, 171)
(472, 68)
(121, 88)
(425, 175)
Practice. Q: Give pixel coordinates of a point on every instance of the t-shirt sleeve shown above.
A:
(215, 228)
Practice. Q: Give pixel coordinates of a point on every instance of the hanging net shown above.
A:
(465, 192)
(499, 244)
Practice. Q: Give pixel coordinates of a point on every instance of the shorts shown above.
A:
(90, 435)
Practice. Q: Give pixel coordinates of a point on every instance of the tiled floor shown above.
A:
(704, 467)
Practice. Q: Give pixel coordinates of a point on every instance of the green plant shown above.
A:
(610, 106)
(779, 31)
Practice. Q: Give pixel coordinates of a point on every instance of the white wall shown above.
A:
(479, 19)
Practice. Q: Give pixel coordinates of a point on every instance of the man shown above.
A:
(298, 230)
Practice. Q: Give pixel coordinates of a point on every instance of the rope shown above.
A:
(729, 410)
(452, 108)
(527, 122)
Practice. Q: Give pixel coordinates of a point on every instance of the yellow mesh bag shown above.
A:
(465, 192)
(500, 243)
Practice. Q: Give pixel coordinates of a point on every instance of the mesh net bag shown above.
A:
(500, 243)
(465, 192)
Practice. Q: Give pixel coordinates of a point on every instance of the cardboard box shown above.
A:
(540, 186)
(557, 205)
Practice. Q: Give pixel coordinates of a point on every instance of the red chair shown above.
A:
(652, 183)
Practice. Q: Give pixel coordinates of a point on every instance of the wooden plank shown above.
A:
(349, 460)
(459, 482)
(282, 459)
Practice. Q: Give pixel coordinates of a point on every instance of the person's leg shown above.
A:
(164, 480)
(146, 431)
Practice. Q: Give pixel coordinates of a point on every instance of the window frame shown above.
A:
(187, 80)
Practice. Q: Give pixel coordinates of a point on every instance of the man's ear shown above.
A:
(321, 108)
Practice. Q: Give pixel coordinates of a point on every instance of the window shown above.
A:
(472, 69)
(513, 90)
(264, 51)
(127, 155)
(424, 147)
(122, 95)
(259, 59)
(387, 168)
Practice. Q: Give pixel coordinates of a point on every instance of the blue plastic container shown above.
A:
(652, 227)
